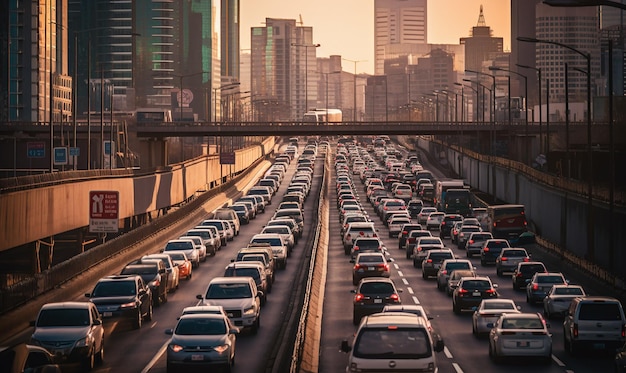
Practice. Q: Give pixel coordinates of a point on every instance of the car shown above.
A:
(414, 207)
(491, 249)
(71, 331)
(541, 283)
(520, 335)
(422, 245)
(454, 232)
(455, 277)
(509, 258)
(201, 340)
(253, 269)
(488, 312)
(369, 264)
(25, 358)
(257, 201)
(239, 297)
(262, 191)
(278, 246)
(356, 230)
(253, 253)
(464, 233)
(200, 248)
(432, 261)
(230, 216)
(371, 295)
(154, 274)
(295, 228)
(524, 272)
(403, 192)
(415, 309)
(594, 323)
(396, 223)
(446, 224)
(184, 265)
(285, 232)
(172, 270)
(411, 240)
(448, 266)
(124, 297)
(474, 244)
(393, 341)
(186, 246)
(404, 232)
(367, 245)
(224, 229)
(244, 213)
(208, 239)
(294, 214)
(471, 291)
(434, 220)
(559, 298)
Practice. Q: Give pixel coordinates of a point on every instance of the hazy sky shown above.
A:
(346, 27)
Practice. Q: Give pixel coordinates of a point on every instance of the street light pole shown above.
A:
(354, 100)
(538, 70)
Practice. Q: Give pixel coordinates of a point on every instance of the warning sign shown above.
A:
(104, 211)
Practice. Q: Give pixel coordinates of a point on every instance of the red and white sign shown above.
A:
(104, 209)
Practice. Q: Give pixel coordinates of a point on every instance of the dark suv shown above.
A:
(524, 272)
(372, 295)
(432, 262)
(447, 223)
(471, 291)
(123, 297)
(155, 275)
(491, 250)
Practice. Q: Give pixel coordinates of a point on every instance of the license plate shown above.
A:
(598, 346)
(107, 314)
(378, 300)
(197, 357)
(371, 268)
(522, 344)
(476, 294)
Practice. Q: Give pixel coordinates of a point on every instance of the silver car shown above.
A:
(559, 298)
(520, 334)
(206, 340)
(489, 311)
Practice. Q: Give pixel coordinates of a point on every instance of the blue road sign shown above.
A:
(36, 149)
(74, 151)
(60, 156)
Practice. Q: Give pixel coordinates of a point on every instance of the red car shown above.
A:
(184, 265)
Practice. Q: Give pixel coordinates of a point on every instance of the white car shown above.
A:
(396, 223)
(559, 298)
(423, 215)
(434, 220)
(489, 311)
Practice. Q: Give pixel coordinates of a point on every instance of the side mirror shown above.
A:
(97, 322)
(169, 331)
(345, 347)
(199, 296)
(87, 295)
(495, 286)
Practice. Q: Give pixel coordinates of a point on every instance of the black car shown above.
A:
(541, 283)
(433, 260)
(123, 297)
(491, 250)
(372, 295)
(524, 272)
(471, 291)
(404, 233)
(155, 275)
(447, 223)
(414, 207)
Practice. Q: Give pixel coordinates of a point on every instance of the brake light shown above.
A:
(357, 267)
(374, 235)
(419, 248)
(385, 208)
(358, 297)
(463, 291)
(356, 248)
(519, 274)
(429, 261)
(471, 242)
(576, 330)
(349, 236)
(394, 297)
(443, 223)
(385, 267)
(526, 259)
(404, 232)
(504, 259)
(486, 249)
(490, 291)
(444, 272)
(535, 286)
(623, 331)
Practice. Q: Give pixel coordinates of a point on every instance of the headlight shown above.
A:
(221, 349)
(81, 342)
(249, 311)
(128, 305)
(176, 348)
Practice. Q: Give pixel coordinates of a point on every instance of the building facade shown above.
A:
(481, 44)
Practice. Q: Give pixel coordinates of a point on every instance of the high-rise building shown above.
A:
(229, 37)
(522, 53)
(35, 81)
(283, 69)
(398, 24)
(612, 21)
(481, 44)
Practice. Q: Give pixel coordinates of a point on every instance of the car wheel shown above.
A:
(456, 309)
(515, 288)
(546, 313)
(89, 361)
(149, 314)
(572, 348)
(100, 355)
(439, 287)
(528, 299)
(355, 319)
(408, 256)
(467, 254)
(482, 262)
(138, 320)
(257, 325)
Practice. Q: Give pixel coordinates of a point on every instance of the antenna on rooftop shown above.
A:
(301, 21)
(481, 18)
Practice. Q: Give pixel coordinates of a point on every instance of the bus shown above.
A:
(323, 116)
(153, 116)
(507, 221)
(452, 197)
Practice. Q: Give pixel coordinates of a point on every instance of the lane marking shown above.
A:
(153, 325)
(457, 367)
(557, 361)
(400, 273)
(405, 281)
(447, 353)
(410, 290)
(415, 300)
(156, 357)
(396, 266)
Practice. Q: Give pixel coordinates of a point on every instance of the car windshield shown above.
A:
(550, 279)
(600, 311)
(392, 343)
(249, 272)
(140, 270)
(114, 289)
(439, 257)
(429, 242)
(515, 253)
(522, 323)
(178, 246)
(457, 265)
(568, 291)
(271, 241)
(228, 291)
(278, 230)
(476, 284)
(367, 244)
(377, 288)
(177, 256)
(63, 317)
(532, 268)
(192, 326)
(370, 259)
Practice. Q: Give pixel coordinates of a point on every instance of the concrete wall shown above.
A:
(559, 217)
(33, 214)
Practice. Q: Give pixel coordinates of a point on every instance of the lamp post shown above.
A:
(354, 99)
(306, 70)
(436, 104)
(495, 68)
(587, 56)
(538, 70)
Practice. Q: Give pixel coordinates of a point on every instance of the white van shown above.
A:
(393, 342)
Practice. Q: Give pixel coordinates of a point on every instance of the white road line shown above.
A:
(156, 357)
(557, 361)
(447, 353)
(153, 325)
(405, 281)
(415, 300)
(457, 367)
(400, 273)
(410, 290)
(397, 267)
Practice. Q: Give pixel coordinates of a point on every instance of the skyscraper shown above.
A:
(398, 24)
(229, 34)
(480, 46)
(523, 24)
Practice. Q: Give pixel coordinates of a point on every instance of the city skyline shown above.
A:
(355, 40)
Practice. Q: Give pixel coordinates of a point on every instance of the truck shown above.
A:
(452, 197)
(322, 116)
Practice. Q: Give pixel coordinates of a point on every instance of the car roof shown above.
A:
(401, 319)
(230, 280)
(60, 305)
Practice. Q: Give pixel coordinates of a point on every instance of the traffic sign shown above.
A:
(227, 158)
(60, 156)
(74, 151)
(35, 149)
(104, 211)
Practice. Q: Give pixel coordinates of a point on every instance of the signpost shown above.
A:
(104, 209)
(35, 149)
(60, 156)
(227, 158)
